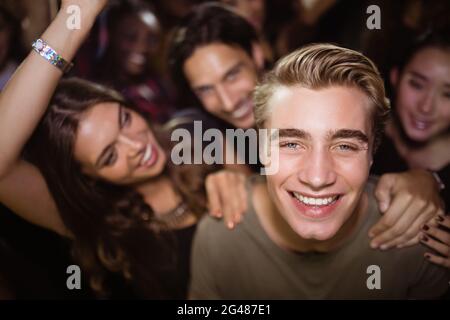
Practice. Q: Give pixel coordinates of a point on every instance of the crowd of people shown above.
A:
(363, 172)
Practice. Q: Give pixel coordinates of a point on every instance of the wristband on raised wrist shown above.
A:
(47, 52)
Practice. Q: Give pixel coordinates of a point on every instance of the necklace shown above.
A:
(173, 217)
(175, 213)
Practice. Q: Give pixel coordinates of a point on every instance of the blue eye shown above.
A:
(289, 145)
(347, 148)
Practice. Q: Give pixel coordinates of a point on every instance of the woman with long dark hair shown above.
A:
(97, 173)
(418, 134)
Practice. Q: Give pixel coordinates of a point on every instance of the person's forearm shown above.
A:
(26, 96)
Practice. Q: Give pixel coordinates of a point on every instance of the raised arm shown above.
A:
(26, 96)
(22, 104)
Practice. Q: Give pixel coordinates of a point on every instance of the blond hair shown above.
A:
(318, 66)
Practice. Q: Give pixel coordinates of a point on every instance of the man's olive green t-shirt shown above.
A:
(245, 263)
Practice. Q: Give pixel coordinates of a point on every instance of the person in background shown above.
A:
(128, 61)
(418, 134)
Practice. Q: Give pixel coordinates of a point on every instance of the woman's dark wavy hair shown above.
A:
(113, 228)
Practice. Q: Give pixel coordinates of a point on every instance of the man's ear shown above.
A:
(258, 55)
(393, 77)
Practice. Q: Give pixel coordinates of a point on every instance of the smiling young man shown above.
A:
(304, 235)
(215, 56)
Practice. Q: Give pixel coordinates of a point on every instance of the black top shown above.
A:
(34, 261)
(184, 238)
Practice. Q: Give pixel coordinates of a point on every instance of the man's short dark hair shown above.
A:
(206, 24)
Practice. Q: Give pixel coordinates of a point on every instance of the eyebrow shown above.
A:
(349, 133)
(424, 78)
(107, 149)
(332, 135)
(291, 133)
(418, 75)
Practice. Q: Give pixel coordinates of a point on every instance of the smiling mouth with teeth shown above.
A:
(137, 58)
(242, 111)
(316, 208)
(149, 156)
(420, 124)
(316, 202)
